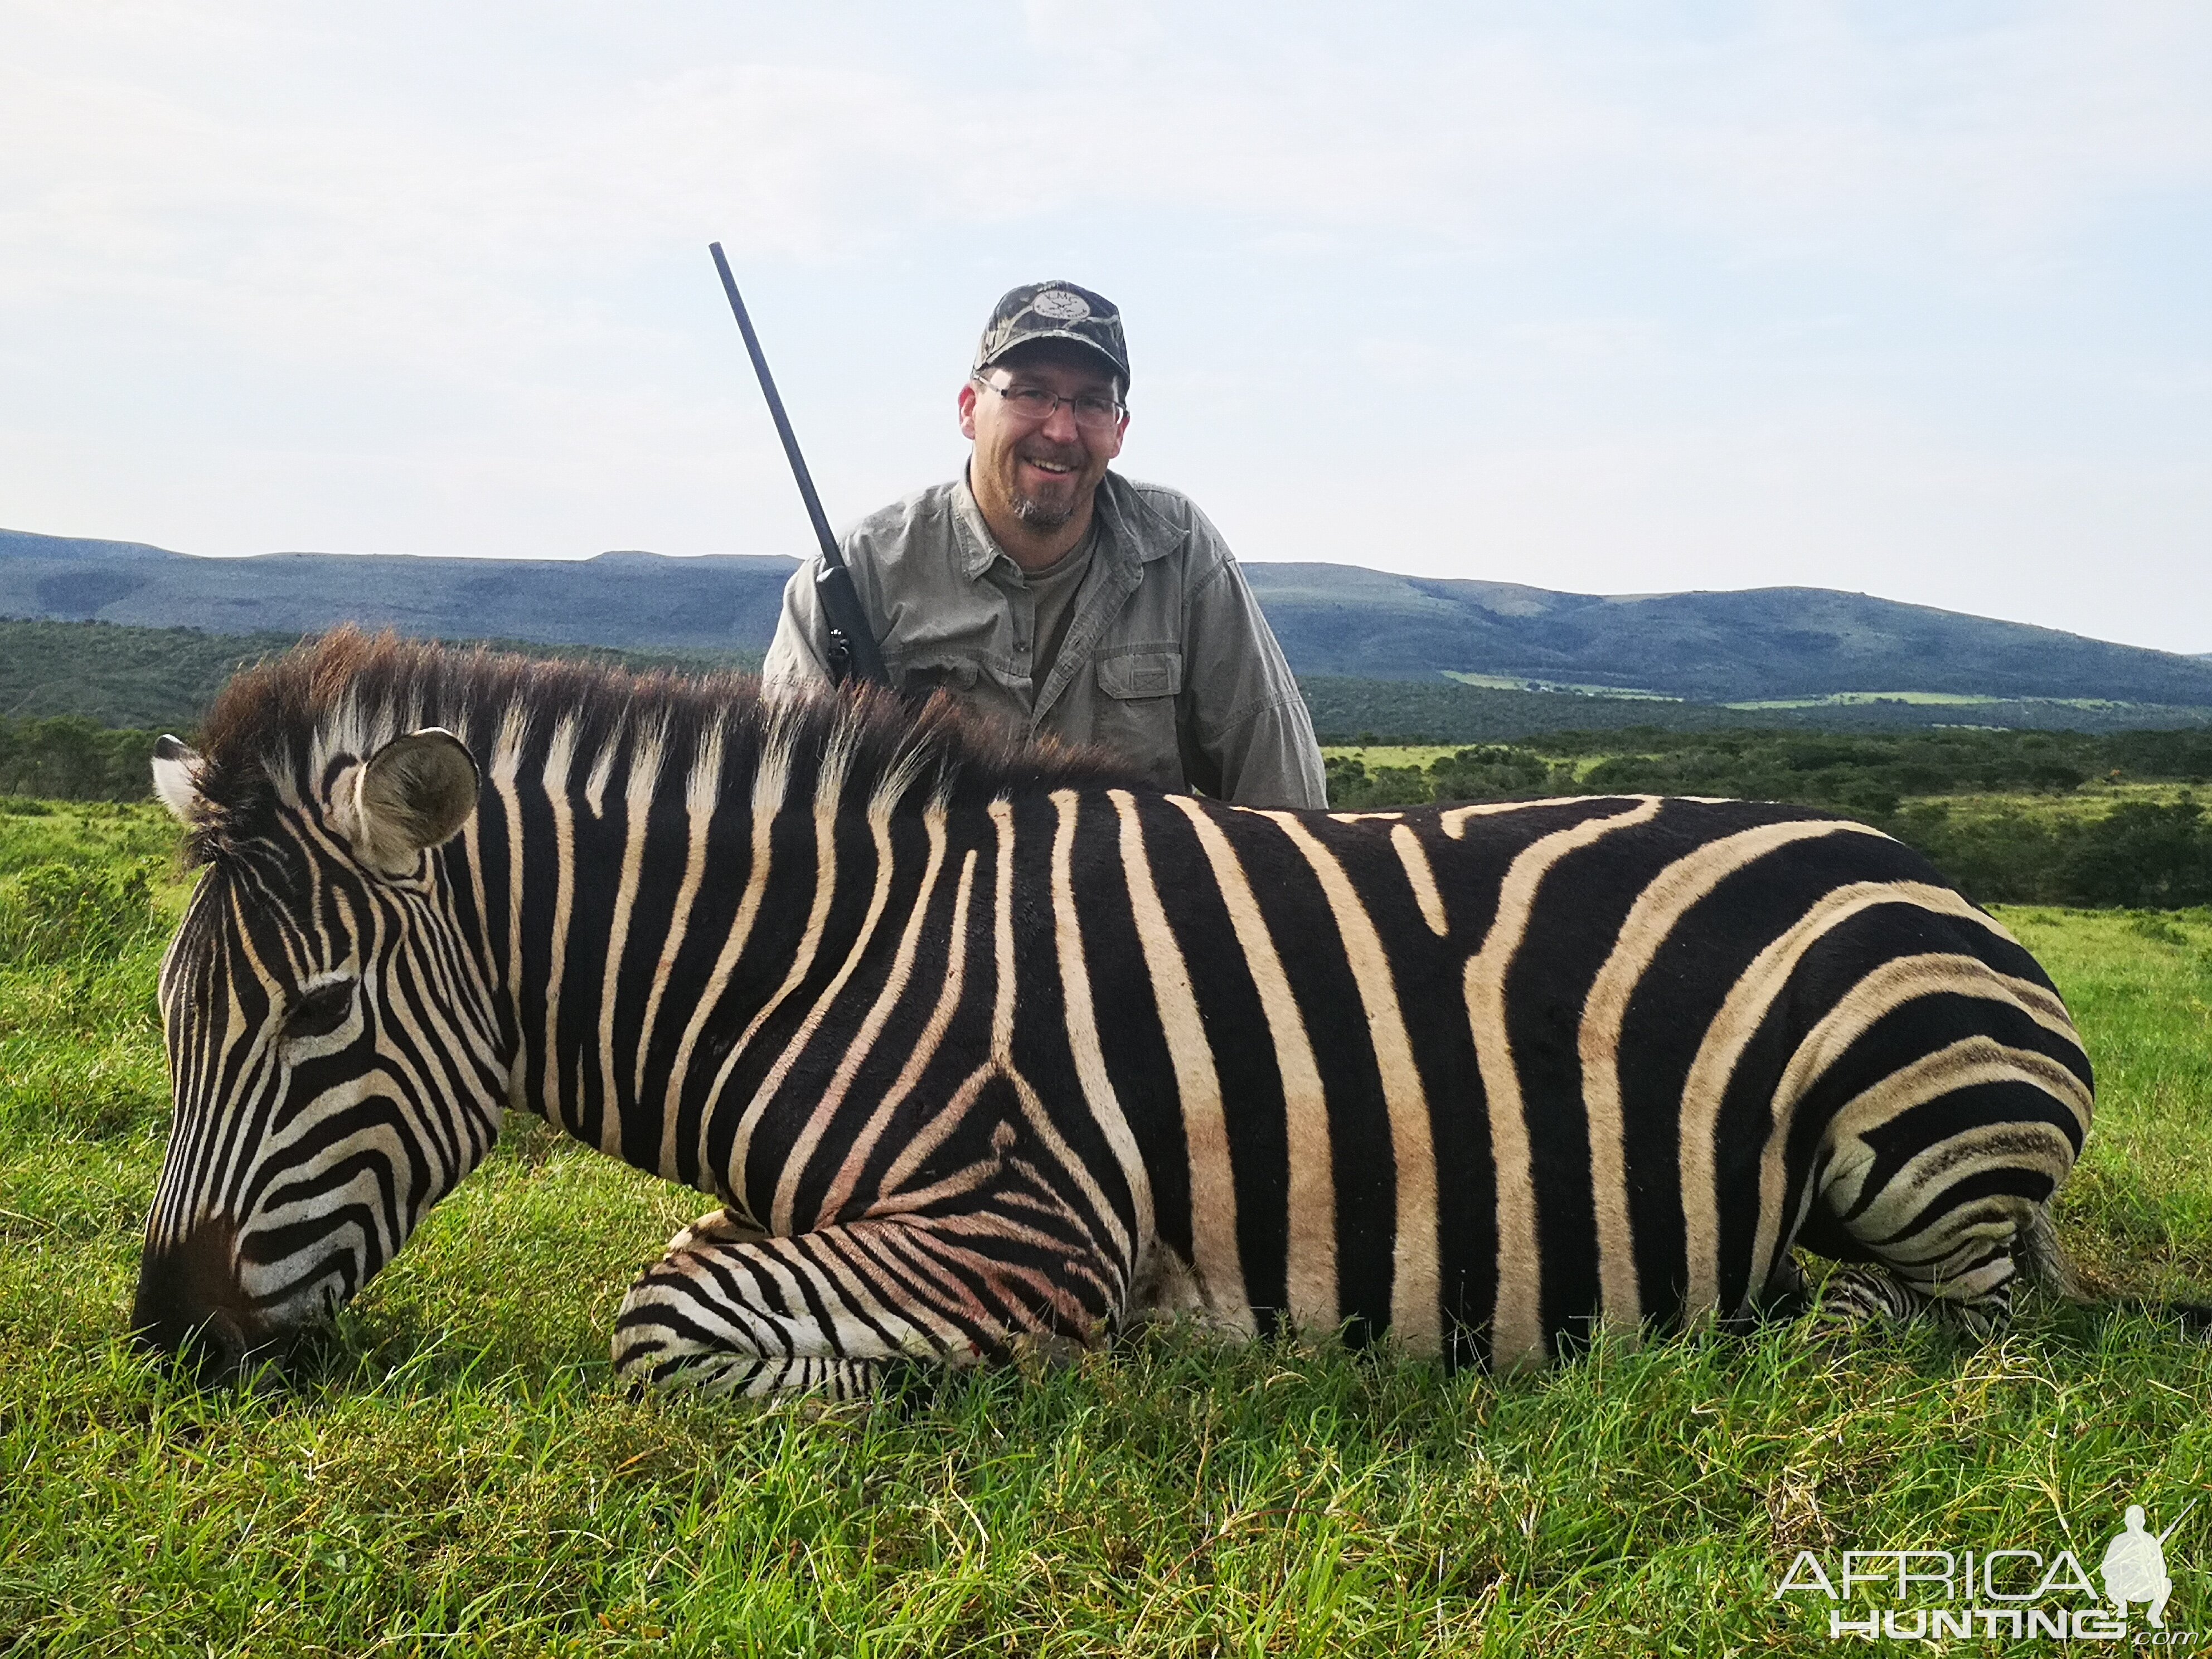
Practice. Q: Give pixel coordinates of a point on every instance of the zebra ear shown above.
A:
(177, 779)
(416, 792)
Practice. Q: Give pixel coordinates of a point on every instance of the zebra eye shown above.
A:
(320, 1011)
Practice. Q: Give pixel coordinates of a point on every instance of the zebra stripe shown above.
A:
(1215, 1252)
(1516, 1338)
(1651, 919)
(977, 1047)
(1415, 1313)
(1310, 1268)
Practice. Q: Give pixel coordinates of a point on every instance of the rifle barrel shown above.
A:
(821, 533)
(849, 635)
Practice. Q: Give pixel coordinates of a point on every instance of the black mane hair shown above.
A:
(260, 739)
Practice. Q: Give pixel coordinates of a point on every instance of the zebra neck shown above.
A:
(654, 956)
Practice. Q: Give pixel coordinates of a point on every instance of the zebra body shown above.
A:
(979, 1048)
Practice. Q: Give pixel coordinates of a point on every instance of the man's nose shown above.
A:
(1059, 425)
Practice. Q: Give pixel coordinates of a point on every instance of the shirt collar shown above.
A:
(1126, 530)
(1131, 523)
(978, 548)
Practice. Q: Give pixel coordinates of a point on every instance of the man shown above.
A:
(1052, 593)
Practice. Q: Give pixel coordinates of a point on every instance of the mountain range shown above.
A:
(1776, 644)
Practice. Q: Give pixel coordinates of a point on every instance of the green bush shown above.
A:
(59, 912)
(2145, 856)
(2138, 855)
(69, 758)
(2135, 854)
(2007, 856)
(1498, 772)
(1353, 788)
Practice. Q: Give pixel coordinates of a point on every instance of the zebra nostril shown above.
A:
(217, 1348)
(186, 1309)
(210, 1351)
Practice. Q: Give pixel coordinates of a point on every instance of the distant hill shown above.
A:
(164, 678)
(635, 600)
(1761, 645)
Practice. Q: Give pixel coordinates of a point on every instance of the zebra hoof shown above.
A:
(2196, 1317)
(1855, 1301)
(1785, 1297)
(724, 1226)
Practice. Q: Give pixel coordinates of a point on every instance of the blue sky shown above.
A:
(1633, 298)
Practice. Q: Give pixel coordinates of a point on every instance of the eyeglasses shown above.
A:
(1033, 403)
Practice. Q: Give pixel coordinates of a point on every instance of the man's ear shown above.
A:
(968, 409)
(177, 779)
(414, 793)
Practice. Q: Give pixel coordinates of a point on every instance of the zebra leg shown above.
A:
(1936, 1183)
(1784, 1297)
(1857, 1297)
(1862, 1295)
(834, 1312)
(723, 1226)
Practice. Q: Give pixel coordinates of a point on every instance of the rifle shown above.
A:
(854, 653)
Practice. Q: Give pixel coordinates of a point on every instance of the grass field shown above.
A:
(1375, 755)
(452, 1471)
(1916, 699)
(1577, 688)
(2089, 800)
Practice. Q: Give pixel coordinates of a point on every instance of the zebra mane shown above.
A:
(276, 728)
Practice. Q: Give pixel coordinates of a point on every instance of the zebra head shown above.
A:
(335, 1059)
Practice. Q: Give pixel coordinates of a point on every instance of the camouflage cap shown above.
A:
(1055, 311)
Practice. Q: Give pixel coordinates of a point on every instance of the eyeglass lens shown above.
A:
(1035, 402)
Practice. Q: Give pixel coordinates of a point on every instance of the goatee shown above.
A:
(1041, 515)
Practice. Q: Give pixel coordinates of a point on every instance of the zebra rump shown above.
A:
(977, 1044)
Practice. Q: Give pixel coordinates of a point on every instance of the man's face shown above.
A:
(1041, 472)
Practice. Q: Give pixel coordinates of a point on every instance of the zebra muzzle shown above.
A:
(189, 1310)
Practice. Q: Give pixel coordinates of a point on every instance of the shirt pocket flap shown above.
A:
(1142, 674)
(934, 672)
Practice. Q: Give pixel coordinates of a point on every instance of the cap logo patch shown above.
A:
(1060, 306)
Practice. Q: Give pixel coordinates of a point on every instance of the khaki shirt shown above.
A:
(1167, 660)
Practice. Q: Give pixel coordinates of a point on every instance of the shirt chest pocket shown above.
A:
(1135, 713)
(1141, 674)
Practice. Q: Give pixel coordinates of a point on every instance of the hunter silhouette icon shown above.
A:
(2133, 1568)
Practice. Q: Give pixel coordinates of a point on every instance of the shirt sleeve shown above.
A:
(798, 659)
(1253, 734)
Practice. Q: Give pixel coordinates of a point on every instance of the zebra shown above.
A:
(979, 1046)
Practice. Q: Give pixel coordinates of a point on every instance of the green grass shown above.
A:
(1854, 699)
(1573, 688)
(454, 1471)
(1919, 699)
(34, 832)
(1375, 755)
(2090, 800)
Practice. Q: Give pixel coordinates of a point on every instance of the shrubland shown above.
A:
(2043, 817)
